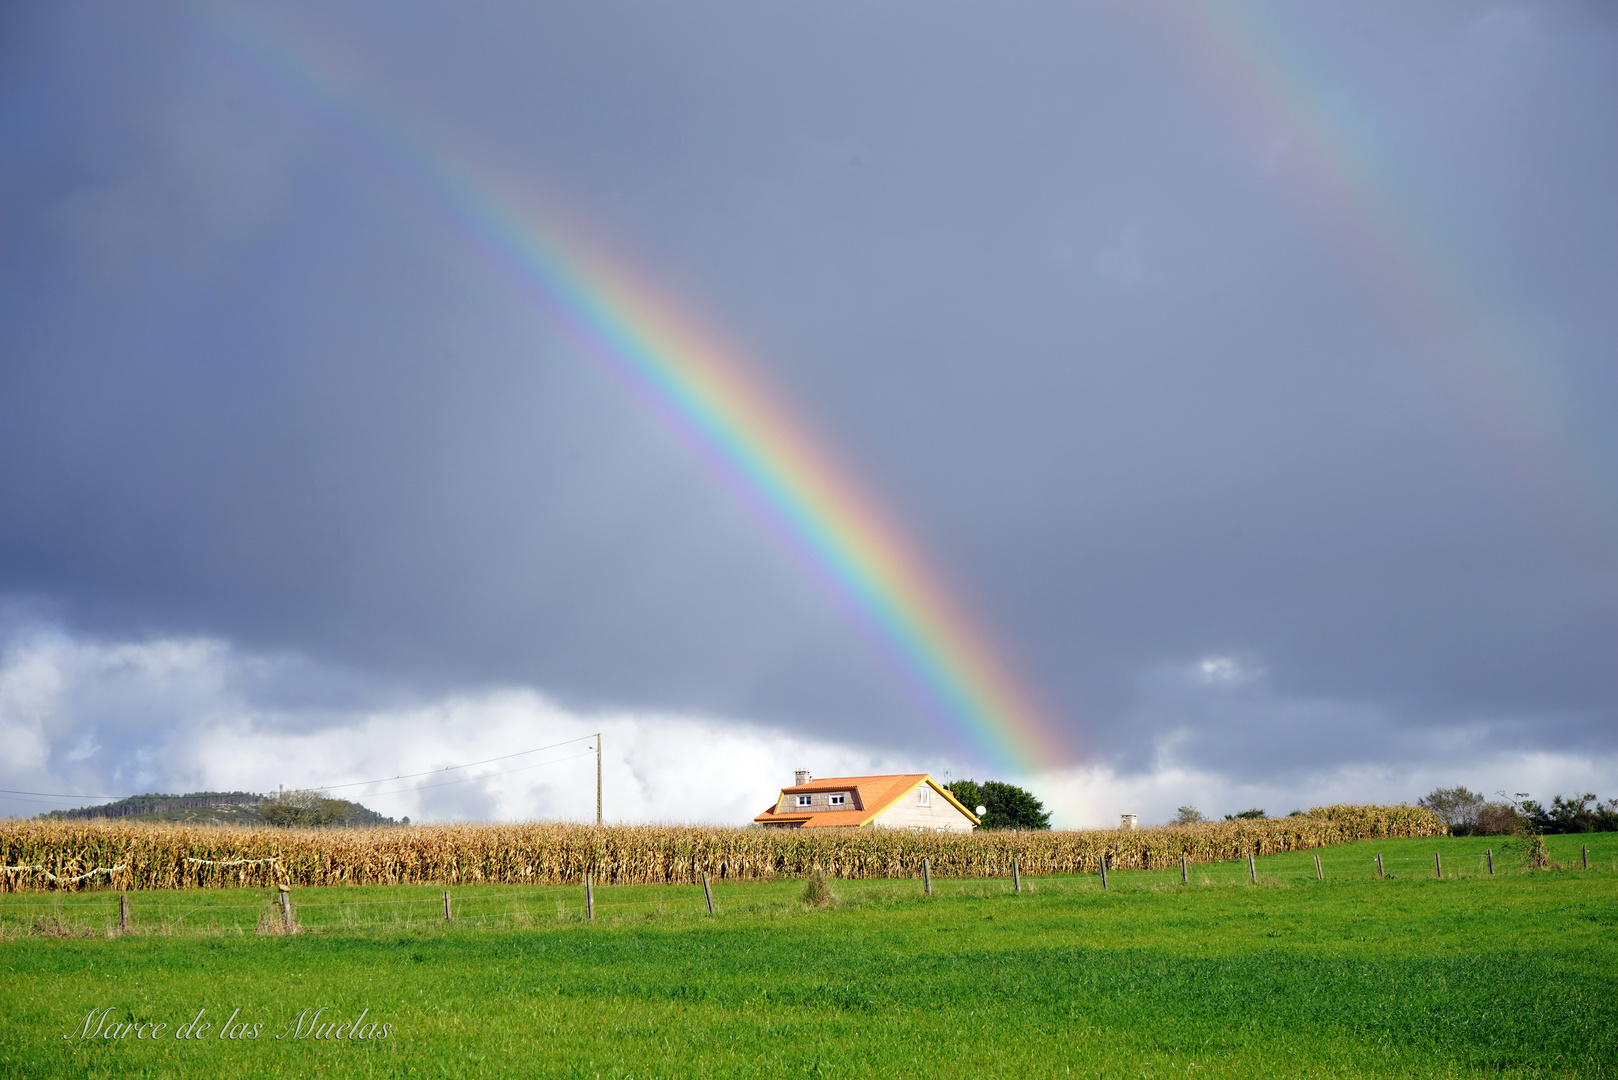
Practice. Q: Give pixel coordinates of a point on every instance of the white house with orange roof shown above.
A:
(913, 801)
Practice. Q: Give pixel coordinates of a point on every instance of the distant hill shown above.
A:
(231, 808)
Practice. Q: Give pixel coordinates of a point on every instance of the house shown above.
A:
(912, 801)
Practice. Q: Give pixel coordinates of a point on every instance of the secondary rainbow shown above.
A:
(696, 380)
(1336, 163)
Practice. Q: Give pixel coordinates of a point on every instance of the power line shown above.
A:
(59, 795)
(469, 779)
(52, 804)
(452, 768)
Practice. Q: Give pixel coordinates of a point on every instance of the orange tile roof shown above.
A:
(873, 793)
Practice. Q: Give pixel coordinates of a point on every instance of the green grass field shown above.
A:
(1511, 975)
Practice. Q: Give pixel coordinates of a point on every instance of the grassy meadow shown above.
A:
(1511, 975)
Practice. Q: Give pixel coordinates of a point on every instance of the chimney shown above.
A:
(801, 777)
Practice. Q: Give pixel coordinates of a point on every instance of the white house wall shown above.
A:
(940, 816)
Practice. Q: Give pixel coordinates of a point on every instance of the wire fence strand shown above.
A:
(79, 914)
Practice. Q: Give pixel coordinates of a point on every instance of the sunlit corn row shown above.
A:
(162, 856)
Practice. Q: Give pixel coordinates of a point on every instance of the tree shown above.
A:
(967, 793)
(1006, 805)
(1255, 814)
(302, 808)
(1189, 815)
(1456, 807)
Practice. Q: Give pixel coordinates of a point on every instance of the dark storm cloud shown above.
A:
(1023, 269)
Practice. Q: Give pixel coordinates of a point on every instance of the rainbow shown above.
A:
(693, 378)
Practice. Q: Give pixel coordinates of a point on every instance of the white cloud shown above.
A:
(189, 715)
(1220, 669)
(654, 767)
(197, 714)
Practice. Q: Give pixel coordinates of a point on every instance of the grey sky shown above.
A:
(1225, 481)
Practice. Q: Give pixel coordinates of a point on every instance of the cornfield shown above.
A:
(40, 855)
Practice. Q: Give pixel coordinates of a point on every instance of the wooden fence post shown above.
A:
(1584, 855)
(927, 876)
(707, 893)
(1489, 852)
(1379, 864)
(589, 900)
(1320, 875)
(1103, 869)
(1016, 876)
(1252, 871)
(286, 909)
(448, 912)
(1438, 865)
(1185, 869)
(123, 913)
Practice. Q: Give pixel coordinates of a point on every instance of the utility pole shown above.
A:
(598, 779)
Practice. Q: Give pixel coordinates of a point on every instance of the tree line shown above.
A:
(302, 808)
(1469, 813)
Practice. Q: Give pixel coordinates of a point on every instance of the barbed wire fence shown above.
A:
(111, 913)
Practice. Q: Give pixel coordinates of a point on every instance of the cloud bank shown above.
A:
(170, 715)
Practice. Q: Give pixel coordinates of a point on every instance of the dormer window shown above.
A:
(804, 800)
(839, 800)
(924, 796)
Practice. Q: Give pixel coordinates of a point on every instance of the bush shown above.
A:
(1496, 819)
(1528, 851)
(1254, 814)
(816, 892)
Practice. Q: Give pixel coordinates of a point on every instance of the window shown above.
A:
(839, 800)
(924, 796)
(803, 800)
